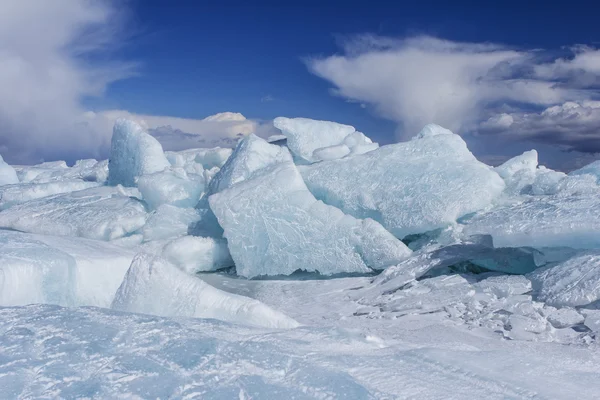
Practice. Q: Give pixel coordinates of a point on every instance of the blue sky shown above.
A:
(384, 67)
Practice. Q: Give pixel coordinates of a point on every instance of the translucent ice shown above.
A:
(312, 140)
(8, 175)
(154, 286)
(102, 213)
(194, 254)
(133, 153)
(169, 222)
(24, 192)
(575, 282)
(275, 226)
(590, 169)
(519, 172)
(171, 186)
(412, 187)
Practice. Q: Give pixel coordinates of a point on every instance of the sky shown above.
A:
(507, 76)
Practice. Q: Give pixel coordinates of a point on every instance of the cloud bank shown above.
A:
(484, 89)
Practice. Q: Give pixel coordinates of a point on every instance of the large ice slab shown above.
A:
(548, 221)
(133, 153)
(102, 213)
(411, 187)
(88, 170)
(275, 226)
(154, 286)
(171, 186)
(11, 195)
(194, 254)
(574, 282)
(169, 222)
(63, 271)
(8, 175)
(313, 141)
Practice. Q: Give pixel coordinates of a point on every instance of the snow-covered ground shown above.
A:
(403, 271)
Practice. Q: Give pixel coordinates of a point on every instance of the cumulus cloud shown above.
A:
(468, 87)
(46, 48)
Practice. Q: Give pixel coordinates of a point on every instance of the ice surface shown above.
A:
(410, 187)
(88, 170)
(8, 175)
(198, 254)
(313, 141)
(590, 169)
(432, 130)
(169, 222)
(171, 186)
(546, 181)
(275, 226)
(64, 271)
(102, 213)
(154, 286)
(519, 172)
(133, 153)
(24, 192)
(549, 221)
(574, 282)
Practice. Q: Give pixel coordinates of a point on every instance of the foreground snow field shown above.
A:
(410, 270)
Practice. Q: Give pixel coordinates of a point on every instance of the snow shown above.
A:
(174, 187)
(102, 213)
(8, 175)
(133, 153)
(198, 254)
(405, 186)
(311, 140)
(154, 286)
(275, 226)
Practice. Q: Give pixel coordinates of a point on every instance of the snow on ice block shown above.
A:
(173, 186)
(11, 195)
(574, 282)
(133, 153)
(275, 226)
(311, 140)
(411, 187)
(102, 213)
(8, 175)
(549, 221)
(194, 254)
(63, 271)
(154, 286)
(590, 169)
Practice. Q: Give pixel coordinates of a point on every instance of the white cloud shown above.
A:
(420, 80)
(44, 74)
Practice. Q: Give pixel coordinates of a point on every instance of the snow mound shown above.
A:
(275, 226)
(102, 213)
(198, 254)
(411, 187)
(171, 186)
(133, 153)
(154, 286)
(574, 282)
(55, 270)
(313, 141)
(8, 175)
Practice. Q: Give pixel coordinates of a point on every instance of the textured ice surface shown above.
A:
(432, 130)
(519, 172)
(102, 213)
(194, 254)
(169, 222)
(548, 221)
(133, 153)
(590, 169)
(88, 170)
(8, 175)
(546, 181)
(24, 192)
(250, 155)
(154, 286)
(64, 271)
(312, 140)
(410, 187)
(173, 187)
(575, 282)
(275, 226)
